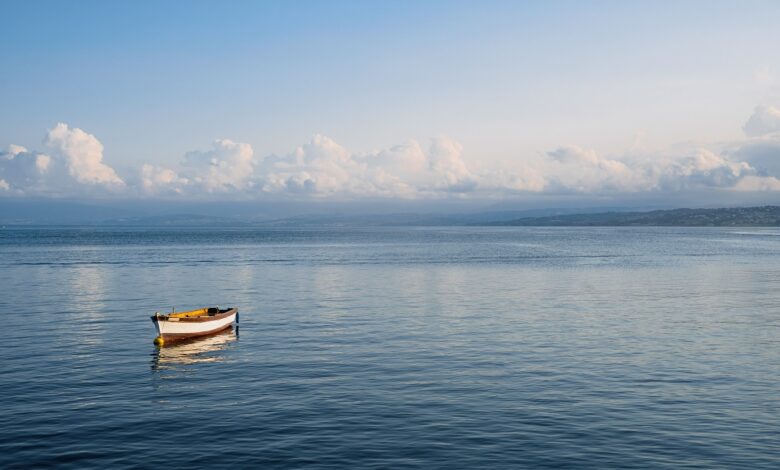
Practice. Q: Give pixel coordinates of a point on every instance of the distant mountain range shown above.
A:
(41, 213)
(415, 219)
(765, 216)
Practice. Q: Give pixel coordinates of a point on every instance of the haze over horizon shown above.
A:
(418, 106)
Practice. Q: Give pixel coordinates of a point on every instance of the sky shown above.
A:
(391, 101)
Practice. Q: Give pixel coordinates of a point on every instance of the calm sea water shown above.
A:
(393, 348)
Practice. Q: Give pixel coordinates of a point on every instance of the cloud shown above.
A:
(319, 168)
(764, 120)
(762, 148)
(73, 167)
(449, 169)
(704, 169)
(585, 171)
(758, 183)
(762, 153)
(226, 167)
(161, 180)
(322, 168)
(582, 170)
(83, 154)
(22, 170)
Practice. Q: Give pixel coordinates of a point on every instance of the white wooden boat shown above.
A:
(182, 325)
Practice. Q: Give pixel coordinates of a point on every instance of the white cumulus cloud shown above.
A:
(83, 154)
(323, 168)
(157, 179)
(226, 166)
(318, 168)
(585, 171)
(764, 120)
(23, 171)
(73, 166)
(758, 183)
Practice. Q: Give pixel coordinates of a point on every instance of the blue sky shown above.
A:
(410, 100)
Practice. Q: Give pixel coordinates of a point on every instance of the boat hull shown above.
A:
(177, 329)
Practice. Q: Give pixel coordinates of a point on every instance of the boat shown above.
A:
(182, 325)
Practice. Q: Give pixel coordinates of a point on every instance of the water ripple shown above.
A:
(423, 348)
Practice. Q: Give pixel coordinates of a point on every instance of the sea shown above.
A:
(392, 347)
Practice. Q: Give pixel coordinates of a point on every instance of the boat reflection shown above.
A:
(194, 351)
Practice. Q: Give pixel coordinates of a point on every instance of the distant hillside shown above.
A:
(45, 212)
(177, 220)
(766, 216)
(414, 219)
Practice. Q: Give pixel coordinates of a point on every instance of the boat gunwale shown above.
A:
(200, 317)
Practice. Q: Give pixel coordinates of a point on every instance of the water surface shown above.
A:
(393, 347)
